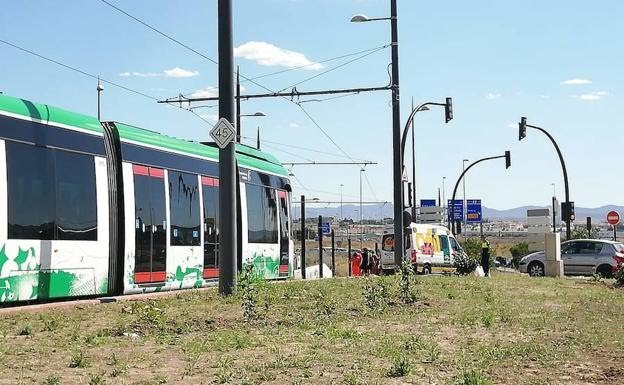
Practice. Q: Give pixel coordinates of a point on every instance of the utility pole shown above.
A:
(413, 169)
(397, 157)
(238, 107)
(227, 160)
(361, 216)
(464, 208)
(341, 185)
(99, 89)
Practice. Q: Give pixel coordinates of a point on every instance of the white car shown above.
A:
(580, 257)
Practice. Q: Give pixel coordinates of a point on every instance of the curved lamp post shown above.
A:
(567, 208)
(507, 157)
(448, 109)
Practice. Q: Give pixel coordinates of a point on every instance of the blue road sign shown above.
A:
(473, 211)
(326, 228)
(428, 203)
(458, 210)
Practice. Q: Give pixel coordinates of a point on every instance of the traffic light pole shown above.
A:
(507, 156)
(565, 175)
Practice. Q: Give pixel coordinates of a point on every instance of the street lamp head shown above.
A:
(259, 113)
(359, 19)
(424, 108)
(100, 87)
(465, 160)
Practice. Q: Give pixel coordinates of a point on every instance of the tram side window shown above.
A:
(261, 214)
(51, 194)
(184, 206)
(76, 209)
(210, 192)
(30, 190)
(284, 228)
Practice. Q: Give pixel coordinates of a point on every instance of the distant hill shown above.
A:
(378, 211)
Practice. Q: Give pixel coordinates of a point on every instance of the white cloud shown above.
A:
(178, 72)
(209, 92)
(140, 74)
(576, 81)
(175, 72)
(492, 96)
(597, 95)
(267, 54)
(512, 125)
(293, 125)
(544, 96)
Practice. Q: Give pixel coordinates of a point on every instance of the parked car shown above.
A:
(580, 257)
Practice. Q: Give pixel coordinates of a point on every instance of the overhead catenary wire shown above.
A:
(329, 98)
(334, 68)
(186, 94)
(302, 148)
(288, 152)
(85, 73)
(159, 32)
(370, 186)
(215, 62)
(325, 133)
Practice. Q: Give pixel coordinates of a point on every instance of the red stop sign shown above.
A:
(613, 218)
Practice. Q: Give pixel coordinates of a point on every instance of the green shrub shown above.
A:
(472, 377)
(401, 367)
(619, 275)
(408, 295)
(464, 264)
(78, 360)
(375, 294)
(518, 251)
(472, 247)
(52, 380)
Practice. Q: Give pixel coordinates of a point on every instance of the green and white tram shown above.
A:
(92, 209)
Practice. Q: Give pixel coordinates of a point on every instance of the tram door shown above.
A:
(150, 225)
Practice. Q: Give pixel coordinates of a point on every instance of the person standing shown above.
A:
(365, 261)
(485, 256)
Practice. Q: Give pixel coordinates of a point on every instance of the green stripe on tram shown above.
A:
(247, 156)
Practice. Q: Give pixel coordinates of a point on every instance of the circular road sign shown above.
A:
(613, 218)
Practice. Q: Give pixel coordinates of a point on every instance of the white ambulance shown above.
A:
(429, 247)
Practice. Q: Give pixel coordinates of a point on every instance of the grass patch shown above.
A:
(343, 331)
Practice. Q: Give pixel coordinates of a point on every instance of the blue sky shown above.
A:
(498, 60)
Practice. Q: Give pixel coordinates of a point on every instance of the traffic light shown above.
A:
(507, 159)
(567, 211)
(522, 128)
(448, 109)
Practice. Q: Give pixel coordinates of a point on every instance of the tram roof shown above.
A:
(246, 156)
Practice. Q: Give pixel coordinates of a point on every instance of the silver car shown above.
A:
(580, 257)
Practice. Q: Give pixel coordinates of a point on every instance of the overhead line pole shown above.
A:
(227, 162)
(397, 156)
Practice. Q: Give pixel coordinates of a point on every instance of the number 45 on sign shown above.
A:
(223, 133)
